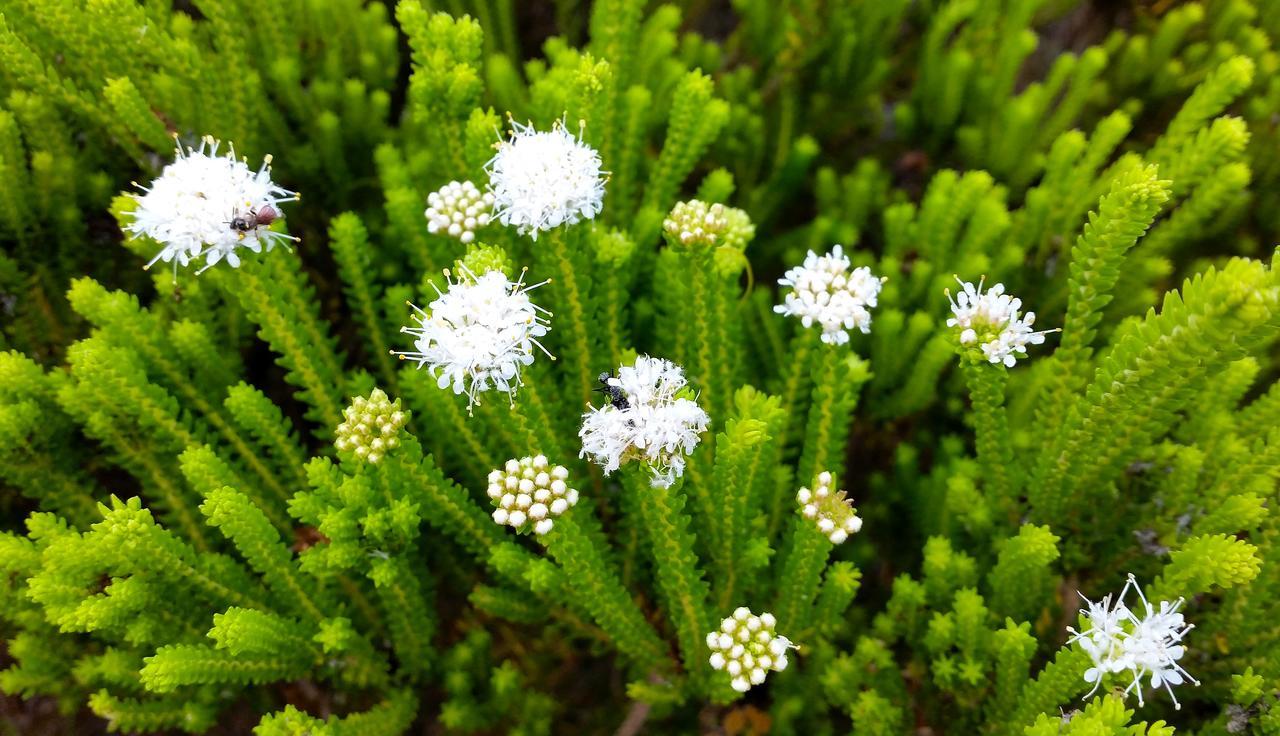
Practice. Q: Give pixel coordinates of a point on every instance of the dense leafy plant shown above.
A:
(231, 498)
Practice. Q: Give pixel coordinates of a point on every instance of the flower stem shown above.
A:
(804, 557)
(571, 317)
(991, 426)
(709, 358)
(597, 586)
(837, 379)
(794, 385)
(681, 586)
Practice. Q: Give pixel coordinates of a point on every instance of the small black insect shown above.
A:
(261, 217)
(612, 387)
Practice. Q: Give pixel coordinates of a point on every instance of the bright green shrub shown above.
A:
(556, 381)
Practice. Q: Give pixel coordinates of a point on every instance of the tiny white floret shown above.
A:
(656, 424)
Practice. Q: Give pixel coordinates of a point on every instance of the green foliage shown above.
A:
(189, 539)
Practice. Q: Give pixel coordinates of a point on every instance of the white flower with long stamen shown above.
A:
(1103, 639)
(478, 334)
(1156, 646)
(543, 179)
(209, 205)
(825, 292)
(747, 647)
(530, 492)
(829, 509)
(457, 210)
(371, 426)
(991, 320)
(650, 421)
(1147, 646)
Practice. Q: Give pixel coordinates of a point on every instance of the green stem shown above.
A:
(706, 334)
(599, 590)
(534, 422)
(805, 556)
(570, 300)
(795, 383)
(991, 426)
(449, 508)
(835, 392)
(681, 587)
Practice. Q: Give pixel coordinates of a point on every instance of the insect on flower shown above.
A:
(257, 217)
(651, 417)
(209, 205)
(611, 386)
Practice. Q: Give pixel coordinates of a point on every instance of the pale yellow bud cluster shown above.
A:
(696, 223)
(371, 426)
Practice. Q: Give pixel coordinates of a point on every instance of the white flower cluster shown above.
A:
(543, 179)
(458, 209)
(478, 334)
(530, 491)
(371, 426)
(209, 205)
(646, 421)
(1147, 645)
(823, 290)
(832, 512)
(991, 320)
(748, 647)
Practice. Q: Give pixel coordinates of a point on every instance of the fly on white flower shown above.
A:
(1148, 646)
(209, 205)
(747, 647)
(645, 420)
(991, 320)
(479, 333)
(543, 179)
(824, 291)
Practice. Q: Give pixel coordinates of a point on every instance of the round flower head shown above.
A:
(457, 210)
(747, 647)
(824, 291)
(647, 419)
(991, 321)
(478, 334)
(530, 492)
(543, 179)
(209, 205)
(1147, 646)
(696, 223)
(371, 426)
(830, 511)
